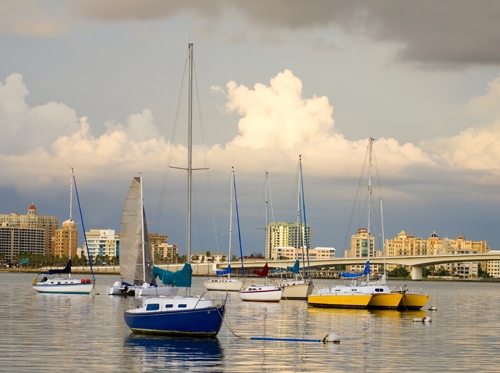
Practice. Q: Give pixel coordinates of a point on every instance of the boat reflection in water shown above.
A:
(148, 352)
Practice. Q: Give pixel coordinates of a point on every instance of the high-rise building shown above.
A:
(66, 238)
(281, 234)
(20, 240)
(33, 220)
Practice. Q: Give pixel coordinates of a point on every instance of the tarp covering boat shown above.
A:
(365, 272)
(224, 271)
(262, 272)
(295, 268)
(66, 269)
(180, 278)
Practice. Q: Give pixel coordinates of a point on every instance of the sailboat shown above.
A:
(377, 294)
(261, 293)
(52, 281)
(180, 316)
(136, 264)
(223, 282)
(298, 287)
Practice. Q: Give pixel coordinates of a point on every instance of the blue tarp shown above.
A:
(295, 268)
(224, 271)
(180, 278)
(353, 275)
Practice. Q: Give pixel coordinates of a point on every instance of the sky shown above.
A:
(101, 87)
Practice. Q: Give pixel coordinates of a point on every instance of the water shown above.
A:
(87, 333)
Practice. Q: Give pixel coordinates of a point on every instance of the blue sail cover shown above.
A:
(66, 269)
(180, 278)
(365, 272)
(224, 271)
(295, 268)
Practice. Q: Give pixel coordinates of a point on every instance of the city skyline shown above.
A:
(97, 87)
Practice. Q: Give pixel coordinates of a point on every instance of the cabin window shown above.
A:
(182, 306)
(169, 305)
(153, 307)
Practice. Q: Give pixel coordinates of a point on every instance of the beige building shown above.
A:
(160, 249)
(32, 220)
(292, 253)
(66, 238)
(360, 243)
(408, 245)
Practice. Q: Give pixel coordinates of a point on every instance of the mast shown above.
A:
(383, 238)
(142, 236)
(70, 212)
(306, 236)
(300, 236)
(190, 157)
(370, 144)
(231, 219)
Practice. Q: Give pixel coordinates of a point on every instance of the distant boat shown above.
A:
(261, 293)
(51, 281)
(136, 264)
(223, 281)
(180, 316)
(299, 287)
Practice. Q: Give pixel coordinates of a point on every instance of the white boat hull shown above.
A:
(142, 291)
(257, 293)
(223, 284)
(64, 286)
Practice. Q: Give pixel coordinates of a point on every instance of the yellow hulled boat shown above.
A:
(354, 300)
(411, 301)
(385, 300)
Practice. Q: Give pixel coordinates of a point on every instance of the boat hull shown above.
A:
(257, 293)
(63, 286)
(300, 289)
(385, 301)
(339, 300)
(223, 284)
(413, 301)
(203, 322)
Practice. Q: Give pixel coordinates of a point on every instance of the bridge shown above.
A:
(415, 262)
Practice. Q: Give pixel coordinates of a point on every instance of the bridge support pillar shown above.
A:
(416, 273)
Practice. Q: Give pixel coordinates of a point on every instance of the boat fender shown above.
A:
(425, 319)
(333, 338)
(83, 281)
(34, 281)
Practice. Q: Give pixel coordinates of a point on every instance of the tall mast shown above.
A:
(142, 237)
(369, 199)
(231, 219)
(70, 212)
(190, 157)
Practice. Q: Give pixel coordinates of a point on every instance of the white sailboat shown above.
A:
(52, 281)
(261, 293)
(224, 282)
(136, 264)
(298, 287)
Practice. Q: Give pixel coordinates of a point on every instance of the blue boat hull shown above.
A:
(205, 322)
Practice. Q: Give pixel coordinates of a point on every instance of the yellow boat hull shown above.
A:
(413, 301)
(385, 300)
(339, 300)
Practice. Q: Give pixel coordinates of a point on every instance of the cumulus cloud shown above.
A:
(277, 123)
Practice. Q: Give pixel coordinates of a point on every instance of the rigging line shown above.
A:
(171, 146)
(355, 204)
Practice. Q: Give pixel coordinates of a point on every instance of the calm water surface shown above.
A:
(87, 333)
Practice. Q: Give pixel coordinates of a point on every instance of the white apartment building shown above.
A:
(101, 243)
(292, 253)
